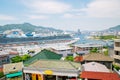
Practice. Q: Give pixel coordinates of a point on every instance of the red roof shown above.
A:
(78, 59)
(99, 75)
(13, 53)
(1, 69)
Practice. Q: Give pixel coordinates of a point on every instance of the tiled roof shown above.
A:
(99, 75)
(78, 59)
(44, 54)
(96, 57)
(13, 53)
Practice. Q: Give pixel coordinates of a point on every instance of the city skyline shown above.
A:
(62, 14)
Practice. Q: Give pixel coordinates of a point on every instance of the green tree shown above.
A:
(94, 50)
(1, 74)
(20, 58)
(69, 58)
(25, 57)
(16, 59)
(116, 67)
(108, 37)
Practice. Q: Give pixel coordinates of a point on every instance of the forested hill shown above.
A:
(26, 27)
(115, 28)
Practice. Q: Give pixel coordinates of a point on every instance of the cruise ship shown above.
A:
(18, 36)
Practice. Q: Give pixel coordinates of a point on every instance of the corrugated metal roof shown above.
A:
(44, 54)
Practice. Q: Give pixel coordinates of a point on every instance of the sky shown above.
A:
(62, 14)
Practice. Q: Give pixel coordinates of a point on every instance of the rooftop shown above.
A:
(12, 67)
(4, 53)
(88, 45)
(96, 57)
(96, 67)
(54, 67)
(61, 47)
(78, 59)
(56, 64)
(44, 54)
(99, 75)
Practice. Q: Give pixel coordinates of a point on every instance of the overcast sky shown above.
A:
(62, 14)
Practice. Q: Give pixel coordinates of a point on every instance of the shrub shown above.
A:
(116, 67)
(1, 74)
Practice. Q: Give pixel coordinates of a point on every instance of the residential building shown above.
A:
(116, 55)
(97, 71)
(13, 71)
(44, 54)
(100, 58)
(4, 59)
(52, 70)
(5, 56)
(62, 50)
(94, 67)
(85, 48)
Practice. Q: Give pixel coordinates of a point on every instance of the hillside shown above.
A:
(116, 28)
(27, 27)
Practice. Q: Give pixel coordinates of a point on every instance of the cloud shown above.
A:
(38, 17)
(68, 15)
(6, 17)
(47, 6)
(103, 8)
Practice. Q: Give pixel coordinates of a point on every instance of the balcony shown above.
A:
(117, 48)
(116, 56)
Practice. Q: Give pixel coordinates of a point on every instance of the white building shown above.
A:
(63, 50)
(85, 48)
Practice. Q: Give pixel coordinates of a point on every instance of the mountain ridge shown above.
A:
(115, 28)
(26, 27)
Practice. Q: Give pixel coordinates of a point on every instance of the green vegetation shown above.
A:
(94, 50)
(16, 59)
(116, 67)
(20, 58)
(108, 37)
(69, 58)
(26, 27)
(116, 28)
(106, 52)
(1, 74)
(105, 47)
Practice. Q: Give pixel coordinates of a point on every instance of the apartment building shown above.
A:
(85, 48)
(116, 55)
